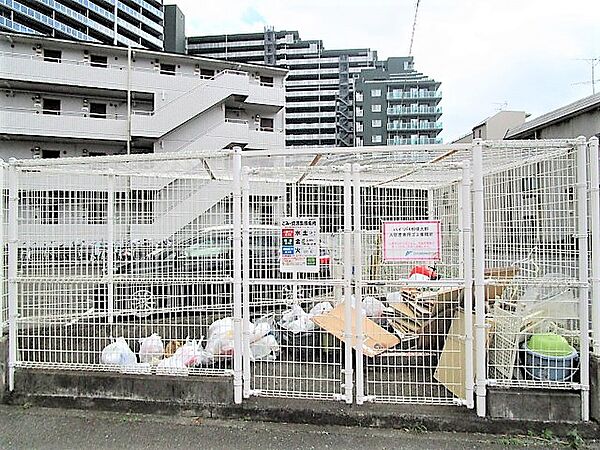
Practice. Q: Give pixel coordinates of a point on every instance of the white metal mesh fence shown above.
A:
(125, 250)
(132, 247)
(3, 251)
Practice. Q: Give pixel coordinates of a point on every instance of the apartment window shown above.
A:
(376, 123)
(46, 154)
(375, 108)
(359, 96)
(52, 55)
(98, 110)
(268, 81)
(266, 124)
(167, 69)
(207, 73)
(359, 112)
(98, 61)
(375, 92)
(376, 139)
(51, 106)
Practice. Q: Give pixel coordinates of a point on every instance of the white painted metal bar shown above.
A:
(246, 279)
(13, 211)
(479, 269)
(467, 268)
(110, 236)
(357, 268)
(294, 211)
(348, 371)
(594, 178)
(237, 275)
(582, 238)
(3, 274)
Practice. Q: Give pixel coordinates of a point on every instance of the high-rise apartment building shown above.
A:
(135, 23)
(319, 106)
(396, 105)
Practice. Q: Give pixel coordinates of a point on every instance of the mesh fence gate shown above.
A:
(181, 246)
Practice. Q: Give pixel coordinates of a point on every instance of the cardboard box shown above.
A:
(376, 339)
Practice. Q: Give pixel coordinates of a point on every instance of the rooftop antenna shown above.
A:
(412, 36)
(501, 106)
(593, 62)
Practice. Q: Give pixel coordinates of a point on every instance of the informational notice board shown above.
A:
(412, 240)
(300, 244)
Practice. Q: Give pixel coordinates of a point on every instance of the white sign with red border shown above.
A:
(299, 249)
(418, 240)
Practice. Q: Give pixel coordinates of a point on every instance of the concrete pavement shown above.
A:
(30, 427)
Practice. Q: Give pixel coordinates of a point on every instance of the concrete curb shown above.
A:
(406, 417)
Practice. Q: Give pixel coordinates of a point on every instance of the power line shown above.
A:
(412, 37)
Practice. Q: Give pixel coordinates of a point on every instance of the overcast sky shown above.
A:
(488, 54)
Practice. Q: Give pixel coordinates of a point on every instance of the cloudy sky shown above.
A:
(488, 54)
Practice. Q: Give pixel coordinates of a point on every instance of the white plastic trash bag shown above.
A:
(220, 337)
(119, 353)
(296, 320)
(151, 349)
(266, 347)
(320, 308)
(373, 308)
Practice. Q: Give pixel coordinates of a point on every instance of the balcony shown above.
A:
(405, 126)
(24, 121)
(403, 111)
(411, 141)
(396, 95)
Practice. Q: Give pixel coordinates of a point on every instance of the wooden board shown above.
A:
(376, 341)
(451, 365)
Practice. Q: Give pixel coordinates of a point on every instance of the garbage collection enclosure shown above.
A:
(395, 275)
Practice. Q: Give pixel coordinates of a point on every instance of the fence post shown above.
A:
(479, 269)
(348, 338)
(3, 274)
(246, 279)
(13, 211)
(110, 255)
(467, 269)
(358, 311)
(237, 275)
(582, 238)
(595, 232)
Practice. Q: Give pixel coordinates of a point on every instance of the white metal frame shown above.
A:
(465, 167)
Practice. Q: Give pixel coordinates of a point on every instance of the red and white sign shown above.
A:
(412, 240)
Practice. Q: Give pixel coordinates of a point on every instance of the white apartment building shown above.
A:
(69, 99)
(64, 98)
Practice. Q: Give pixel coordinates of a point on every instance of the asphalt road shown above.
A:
(45, 428)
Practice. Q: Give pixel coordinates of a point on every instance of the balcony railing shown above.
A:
(413, 95)
(394, 126)
(402, 111)
(412, 141)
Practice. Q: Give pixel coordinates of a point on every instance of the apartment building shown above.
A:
(396, 105)
(135, 23)
(319, 106)
(66, 98)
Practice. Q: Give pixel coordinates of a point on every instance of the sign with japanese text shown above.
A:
(299, 245)
(412, 240)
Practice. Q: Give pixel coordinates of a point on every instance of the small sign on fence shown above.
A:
(299, 244)
(412, 240)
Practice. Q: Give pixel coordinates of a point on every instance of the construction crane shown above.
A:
(412, 36)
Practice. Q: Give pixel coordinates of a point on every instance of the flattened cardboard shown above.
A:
(450, 370)
(377, 339)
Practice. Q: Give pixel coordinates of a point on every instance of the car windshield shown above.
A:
(213, 242)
